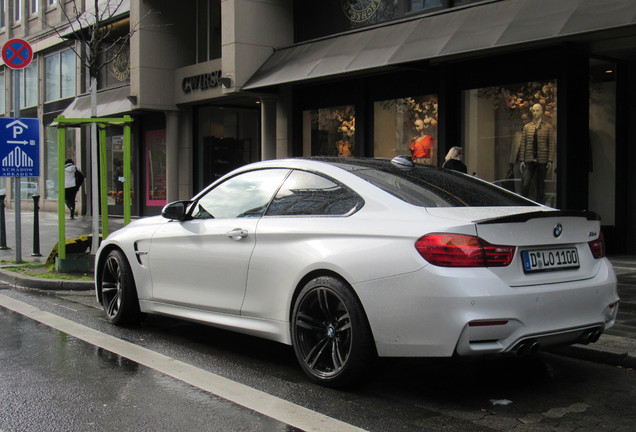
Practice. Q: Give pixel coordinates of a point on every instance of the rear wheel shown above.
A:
(330, 333)
(119, 294)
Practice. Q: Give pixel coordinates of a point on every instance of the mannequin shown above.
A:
(422, 145)
(536, 152)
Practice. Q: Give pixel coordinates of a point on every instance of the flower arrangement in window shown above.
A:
(423, 107)
(347, 128)
(517, 100)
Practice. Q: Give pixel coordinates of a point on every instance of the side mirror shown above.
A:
(175, 210)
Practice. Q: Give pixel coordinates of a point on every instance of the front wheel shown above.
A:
(119, 294)
(330, 333)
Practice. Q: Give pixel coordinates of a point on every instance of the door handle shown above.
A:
(237, 234)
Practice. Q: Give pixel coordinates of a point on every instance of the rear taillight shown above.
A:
(597, 247)
(458, 250)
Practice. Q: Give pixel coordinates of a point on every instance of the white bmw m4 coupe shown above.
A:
(347, 259)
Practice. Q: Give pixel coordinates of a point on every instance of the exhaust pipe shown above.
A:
(527, 348)
(589, 336)
(534, 348)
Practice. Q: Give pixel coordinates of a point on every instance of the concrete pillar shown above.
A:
(268, 128)
(283, 129)
(172, 156)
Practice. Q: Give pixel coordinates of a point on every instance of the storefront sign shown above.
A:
(360, 11)
(201, 82)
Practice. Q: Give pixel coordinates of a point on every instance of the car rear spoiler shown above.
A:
(524, 217)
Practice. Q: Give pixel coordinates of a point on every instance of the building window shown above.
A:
(116, 71)
(406, 126)
(60, 75)
(51, 2)
(33, 7)
(510, 137)
(3, 13)
(418, 5)
(208, 30)
(29, 92)
(3, 101)
(17, 11)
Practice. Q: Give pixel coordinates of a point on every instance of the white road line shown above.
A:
(233, 391)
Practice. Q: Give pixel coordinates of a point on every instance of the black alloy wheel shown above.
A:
(330, 333)
(119, 294)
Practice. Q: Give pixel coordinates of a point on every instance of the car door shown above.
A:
(202, 262)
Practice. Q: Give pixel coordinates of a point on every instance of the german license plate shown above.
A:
(550, 259)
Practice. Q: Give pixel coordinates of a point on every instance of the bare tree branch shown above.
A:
(95, 31)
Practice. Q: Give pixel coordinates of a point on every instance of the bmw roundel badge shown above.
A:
(558, 229)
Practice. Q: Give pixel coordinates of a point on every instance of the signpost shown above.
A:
(18, 145)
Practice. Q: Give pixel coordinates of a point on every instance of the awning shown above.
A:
(109, 102)
(454, 32)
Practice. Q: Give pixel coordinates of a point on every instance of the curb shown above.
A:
(23, 281)
(624, 359)
(610, 350)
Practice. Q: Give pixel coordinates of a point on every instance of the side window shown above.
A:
(245, 195)
(305, 193)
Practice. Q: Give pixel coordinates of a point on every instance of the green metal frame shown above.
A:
(64, 123)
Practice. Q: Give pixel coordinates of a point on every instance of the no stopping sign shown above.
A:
(17, 53)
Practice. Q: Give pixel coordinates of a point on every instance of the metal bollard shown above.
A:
(36, 226)
(3, 228)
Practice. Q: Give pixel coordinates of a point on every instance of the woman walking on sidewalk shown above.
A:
(72, 181)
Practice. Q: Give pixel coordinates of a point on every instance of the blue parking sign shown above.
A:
(19, 147)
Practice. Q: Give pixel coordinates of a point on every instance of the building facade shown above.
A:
(536, 92)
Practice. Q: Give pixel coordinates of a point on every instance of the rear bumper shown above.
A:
(440, 312)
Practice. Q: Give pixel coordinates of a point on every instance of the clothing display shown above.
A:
(536, 151)
(421, 148)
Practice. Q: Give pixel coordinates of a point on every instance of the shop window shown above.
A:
(329, 131)
(51, 159)
(115, 164)
(406, 126)
(155, 168)
(60, 75)
(510, 137)
(227, 139)
(602, 179)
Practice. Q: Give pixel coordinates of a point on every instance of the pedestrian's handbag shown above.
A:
(79, 178)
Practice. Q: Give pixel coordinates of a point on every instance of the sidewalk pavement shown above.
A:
(616, 347)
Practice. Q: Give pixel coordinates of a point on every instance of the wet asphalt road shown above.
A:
(51, 381)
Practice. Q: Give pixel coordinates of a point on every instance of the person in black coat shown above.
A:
(454, 160)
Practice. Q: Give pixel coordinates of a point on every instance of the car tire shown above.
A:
(118, 290)
(330, 333)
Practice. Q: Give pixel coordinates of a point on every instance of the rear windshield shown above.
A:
(432, 187)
